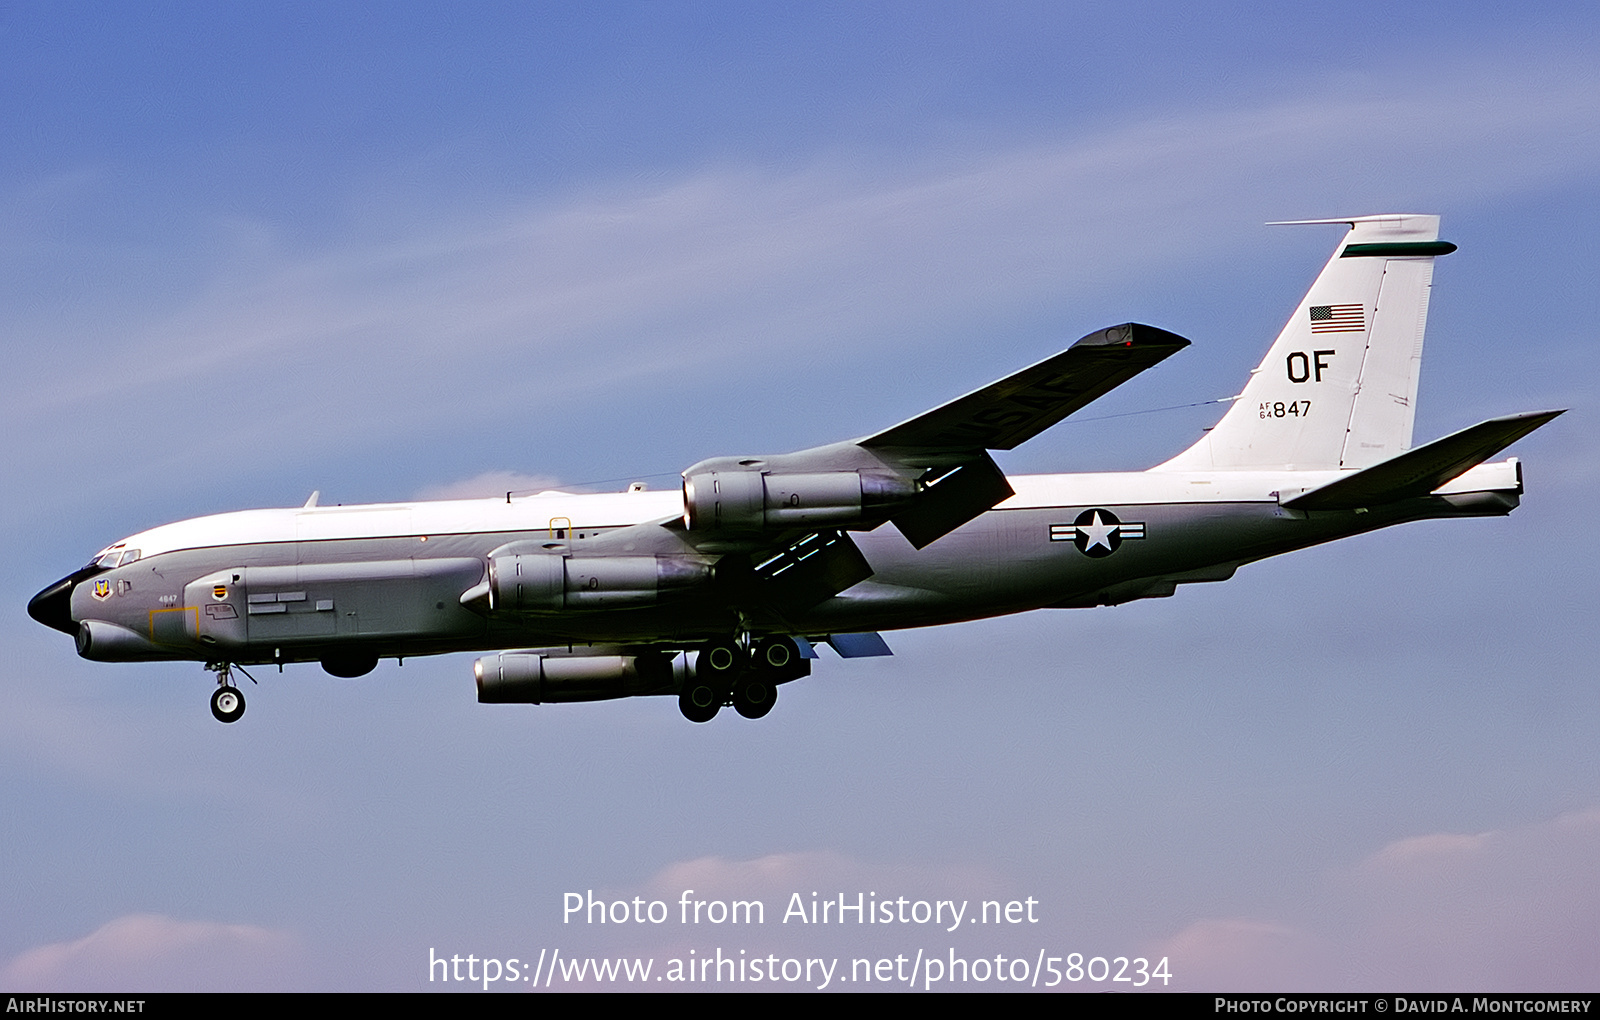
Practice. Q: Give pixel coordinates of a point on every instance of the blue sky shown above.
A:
(401, 251)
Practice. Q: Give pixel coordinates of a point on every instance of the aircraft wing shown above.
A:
(927, 476)
(1004, 414)
(1418, 472)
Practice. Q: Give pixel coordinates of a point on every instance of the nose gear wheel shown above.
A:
(227, 701)
(227, 704)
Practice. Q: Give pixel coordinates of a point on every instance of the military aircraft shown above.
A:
(721, 591)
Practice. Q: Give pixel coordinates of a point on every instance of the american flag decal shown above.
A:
(1337, 319)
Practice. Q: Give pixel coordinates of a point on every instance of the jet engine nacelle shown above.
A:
(549, 582)
(538, 678)
(753, 500)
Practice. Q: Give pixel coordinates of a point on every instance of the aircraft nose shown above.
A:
(53, 606)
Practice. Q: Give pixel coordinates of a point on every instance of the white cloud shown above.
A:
(490, 483)
(1507, 910)
(151, 952)
(1513, 909)
(791, 888)
(817, 871)
(513, 314)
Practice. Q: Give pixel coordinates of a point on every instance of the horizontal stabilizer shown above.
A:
(1420, 471)
(859, 646)
(1004, 414)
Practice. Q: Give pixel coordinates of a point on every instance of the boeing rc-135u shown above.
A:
(720, 592)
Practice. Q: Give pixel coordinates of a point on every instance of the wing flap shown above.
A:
(865, 645)
(1420, 471)
(817, 567)
(974, 488)
(1006, 413)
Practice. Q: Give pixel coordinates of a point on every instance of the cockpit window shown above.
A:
(109, 558)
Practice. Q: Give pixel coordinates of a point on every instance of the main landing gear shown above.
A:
(227, 701)
(725, 673)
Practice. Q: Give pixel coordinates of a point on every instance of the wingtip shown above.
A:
(1132, 334)
(1542, 416)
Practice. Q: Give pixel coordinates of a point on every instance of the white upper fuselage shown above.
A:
(552, 511)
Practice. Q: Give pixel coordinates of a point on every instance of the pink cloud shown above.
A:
(150, 952)
(1237, 954)
(1505, 910)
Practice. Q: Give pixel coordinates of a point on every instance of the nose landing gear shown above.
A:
(227, 701)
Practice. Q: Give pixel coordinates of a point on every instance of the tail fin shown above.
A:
(1339, 387)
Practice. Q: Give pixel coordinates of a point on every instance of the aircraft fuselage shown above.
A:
(388, 579)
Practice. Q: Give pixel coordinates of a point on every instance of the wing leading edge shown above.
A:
(1007, 413)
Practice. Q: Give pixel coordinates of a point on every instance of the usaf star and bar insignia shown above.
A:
(1097, 532)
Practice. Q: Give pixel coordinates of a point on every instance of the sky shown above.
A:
(406, 251)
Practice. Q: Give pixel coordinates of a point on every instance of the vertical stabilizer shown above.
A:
(1339, 387)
